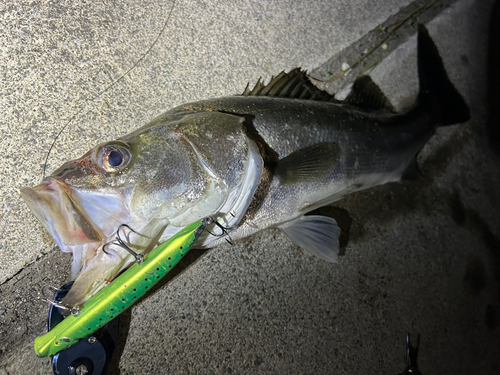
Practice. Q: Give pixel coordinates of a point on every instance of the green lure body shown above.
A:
(120, 294)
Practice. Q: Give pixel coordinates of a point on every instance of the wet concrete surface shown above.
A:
(421, 256)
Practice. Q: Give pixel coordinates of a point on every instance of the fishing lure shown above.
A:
(121, 293)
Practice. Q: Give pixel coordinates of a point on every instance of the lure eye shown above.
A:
(113, 158)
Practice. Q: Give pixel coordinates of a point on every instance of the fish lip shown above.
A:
(92, 232)
(57, 210)
(81, 221)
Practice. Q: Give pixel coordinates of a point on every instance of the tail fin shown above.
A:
(435, 84)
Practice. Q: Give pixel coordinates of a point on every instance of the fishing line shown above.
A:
(109, 87)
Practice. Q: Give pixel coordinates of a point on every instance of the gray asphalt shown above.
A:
(421, 257)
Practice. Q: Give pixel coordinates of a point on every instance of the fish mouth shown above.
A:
(75, 216)
(81, 221)
(54, 206)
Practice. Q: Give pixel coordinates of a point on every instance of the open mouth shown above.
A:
(78, 220)
(54, 205)
(81, 222)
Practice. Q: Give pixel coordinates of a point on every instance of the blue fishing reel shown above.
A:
(89, 356)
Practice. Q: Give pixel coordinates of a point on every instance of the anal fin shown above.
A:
(412, 172)
(319, 235)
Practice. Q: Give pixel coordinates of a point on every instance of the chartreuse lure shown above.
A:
(120, 294)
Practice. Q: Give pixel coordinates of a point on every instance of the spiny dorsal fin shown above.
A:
(367, 95)
(291, 85)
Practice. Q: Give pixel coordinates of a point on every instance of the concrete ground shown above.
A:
(421, 256)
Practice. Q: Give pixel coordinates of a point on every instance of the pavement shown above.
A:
(421, 256)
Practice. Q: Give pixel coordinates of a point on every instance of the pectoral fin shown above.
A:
(309, 163)
(319, 235)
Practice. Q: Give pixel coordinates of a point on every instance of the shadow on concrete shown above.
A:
(493, 122)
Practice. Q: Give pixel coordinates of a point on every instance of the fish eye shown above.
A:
(113, 158)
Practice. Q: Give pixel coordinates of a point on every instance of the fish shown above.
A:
(263, 159)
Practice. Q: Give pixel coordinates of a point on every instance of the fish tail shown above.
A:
(435, 86)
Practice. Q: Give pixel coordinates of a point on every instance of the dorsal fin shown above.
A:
(291, 85)
(367, 95)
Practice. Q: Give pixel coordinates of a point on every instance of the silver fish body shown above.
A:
(256, 161)
(317, 152)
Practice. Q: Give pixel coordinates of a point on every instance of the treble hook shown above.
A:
(75, 310)
(224, 231)
(139, 258)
